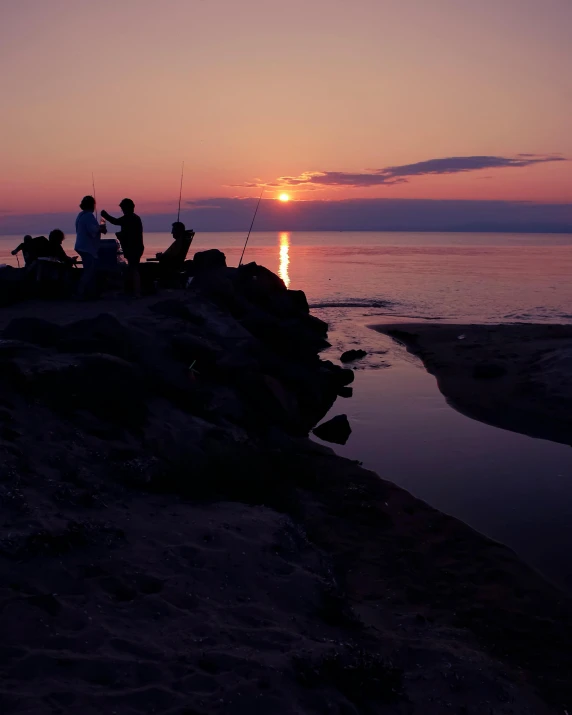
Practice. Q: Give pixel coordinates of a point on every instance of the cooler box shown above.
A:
(110, 256)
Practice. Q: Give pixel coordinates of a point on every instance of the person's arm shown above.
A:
(63, 256)
(18, 249)
(112, 219)
(93, 228)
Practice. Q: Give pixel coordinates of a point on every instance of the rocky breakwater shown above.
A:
(171, 541)
(237, 349)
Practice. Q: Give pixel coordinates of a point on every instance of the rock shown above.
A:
(283, 397)
(258, 280)
(336, 430)
(189, 347)
(299, 300)
(318, 326)
(33, 330)
(345, 392)
(205, 261)
(218, 288)
(176, 309)
(102, 334)
(351, 355)
(488, 370)
(340, 376)
(17, 348)
(107, 386)
(225, 403)
(235, 362)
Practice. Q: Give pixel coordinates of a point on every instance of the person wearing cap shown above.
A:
(131, 240)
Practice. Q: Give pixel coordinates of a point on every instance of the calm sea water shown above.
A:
(481, 277)
(513, 488)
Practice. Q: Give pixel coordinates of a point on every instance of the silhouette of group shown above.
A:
(89, 245)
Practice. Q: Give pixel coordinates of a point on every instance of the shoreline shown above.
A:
(176, 541)
(515, 376)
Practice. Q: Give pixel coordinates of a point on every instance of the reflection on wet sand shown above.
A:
(284, 257)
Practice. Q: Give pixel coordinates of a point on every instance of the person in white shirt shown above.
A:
(87, 243)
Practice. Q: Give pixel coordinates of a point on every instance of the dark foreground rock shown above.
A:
(487, 371)
(336, 430)
(351, 355)
(172, 542)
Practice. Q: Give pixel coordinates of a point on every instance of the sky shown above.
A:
(326, 100)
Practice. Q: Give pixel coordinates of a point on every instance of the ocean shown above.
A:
(446, 276)
(514, 488)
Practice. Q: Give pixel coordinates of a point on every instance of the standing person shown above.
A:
(131, 240)
(87, 243)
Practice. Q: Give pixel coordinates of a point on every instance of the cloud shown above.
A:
(391, 175)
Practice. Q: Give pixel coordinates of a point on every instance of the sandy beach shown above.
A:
(518, 377)
(175, 544)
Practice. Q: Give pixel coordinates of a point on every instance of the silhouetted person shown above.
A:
(87, 243)
(177, 251)
(27, 250)
(56, 250)
(131, 240)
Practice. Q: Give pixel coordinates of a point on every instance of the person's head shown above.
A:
(87, 204)
(127, 206)
(27, 238)
(56, 236)
(178, 230)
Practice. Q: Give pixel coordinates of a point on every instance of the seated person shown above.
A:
(56, 250)
(27, 250)
(177, 252)
(33, 248)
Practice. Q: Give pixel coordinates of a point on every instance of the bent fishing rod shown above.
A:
(251, 225)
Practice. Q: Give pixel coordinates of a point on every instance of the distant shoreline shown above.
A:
(505, 231)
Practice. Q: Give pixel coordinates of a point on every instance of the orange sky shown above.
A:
(260, 89)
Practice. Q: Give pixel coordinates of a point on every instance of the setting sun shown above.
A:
(284, 197)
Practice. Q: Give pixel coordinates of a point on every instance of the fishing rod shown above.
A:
(93, 185)
(251, 225)
(181, 192)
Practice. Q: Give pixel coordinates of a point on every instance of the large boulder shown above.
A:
(173, 308)
(105, 385)
(351, 355)
(294, 337)
(299, 300)
(317, 326)
(102, 334)
(268, 291)
(207, 261)
(339, 376)
(269, 403)
(189, 348)
(259, 281)
(486, 371)
(33, 330)
(336, 430)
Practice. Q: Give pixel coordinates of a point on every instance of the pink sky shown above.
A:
(260, 89)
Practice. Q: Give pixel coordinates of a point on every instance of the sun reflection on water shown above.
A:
(284, 258)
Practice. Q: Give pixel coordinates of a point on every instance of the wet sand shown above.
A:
(517, 377)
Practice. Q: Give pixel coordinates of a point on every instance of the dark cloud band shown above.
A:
(391, 175)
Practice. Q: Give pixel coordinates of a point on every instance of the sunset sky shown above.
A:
(324, 99)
